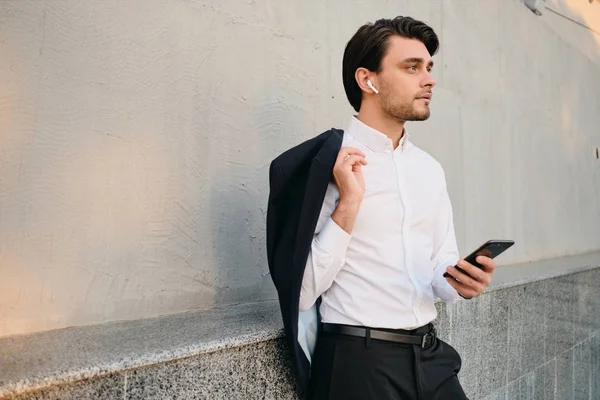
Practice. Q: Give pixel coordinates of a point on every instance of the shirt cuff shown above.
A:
(333, 239)
(441, 287)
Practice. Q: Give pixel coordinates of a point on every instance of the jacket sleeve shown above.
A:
(327, 253)
(271, 220)
(273, 211)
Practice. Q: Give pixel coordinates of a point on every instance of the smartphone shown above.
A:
(491, 249)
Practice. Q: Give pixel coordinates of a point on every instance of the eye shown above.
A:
(412, 67)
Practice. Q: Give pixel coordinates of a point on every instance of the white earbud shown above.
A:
(370, 85)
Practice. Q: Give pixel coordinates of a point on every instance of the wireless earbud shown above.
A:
(370, 85)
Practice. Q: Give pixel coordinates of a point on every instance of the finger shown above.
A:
(461, 288)
(487, 263)
(475, 272)
(466, 280)
(479, 275)
(344, 151)
(354, 159)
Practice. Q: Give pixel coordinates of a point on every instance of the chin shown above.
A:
(409, 114)
(420, 116)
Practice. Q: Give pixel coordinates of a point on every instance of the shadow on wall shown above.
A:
(239, 195)
(237, 218)
(270, 112)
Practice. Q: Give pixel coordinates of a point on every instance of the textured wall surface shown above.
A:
(540, 340)
(135, 138)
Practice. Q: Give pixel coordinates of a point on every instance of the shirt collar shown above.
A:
(372, 138)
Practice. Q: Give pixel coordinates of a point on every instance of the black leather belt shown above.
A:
(424, 340)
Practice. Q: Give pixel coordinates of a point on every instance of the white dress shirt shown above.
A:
(389, 271)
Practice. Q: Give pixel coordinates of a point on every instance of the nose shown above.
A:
(428, 80)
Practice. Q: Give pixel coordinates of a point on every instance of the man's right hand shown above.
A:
(347, 174)
(348, 177)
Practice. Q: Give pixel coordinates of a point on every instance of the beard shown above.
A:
(402, 109)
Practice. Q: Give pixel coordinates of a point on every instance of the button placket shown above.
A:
(399, 160)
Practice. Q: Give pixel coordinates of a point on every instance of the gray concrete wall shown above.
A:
(135, 138)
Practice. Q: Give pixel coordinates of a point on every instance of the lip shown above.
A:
(426, 96)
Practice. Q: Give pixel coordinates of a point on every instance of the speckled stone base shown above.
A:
(259, 371)
(537, 340)
(106, 387)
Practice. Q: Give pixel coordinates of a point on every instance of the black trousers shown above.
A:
(348, 367)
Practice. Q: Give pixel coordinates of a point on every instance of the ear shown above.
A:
(362, 75)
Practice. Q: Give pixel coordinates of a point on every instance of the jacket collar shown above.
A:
(331, 147)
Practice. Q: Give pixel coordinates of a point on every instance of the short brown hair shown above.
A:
(369, 44)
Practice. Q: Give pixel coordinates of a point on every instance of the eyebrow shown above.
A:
(417, 60)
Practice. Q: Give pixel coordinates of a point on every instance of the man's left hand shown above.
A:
(473, 284)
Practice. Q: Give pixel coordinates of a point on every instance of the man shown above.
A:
(360, 233)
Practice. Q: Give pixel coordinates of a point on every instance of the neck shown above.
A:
(376, 119)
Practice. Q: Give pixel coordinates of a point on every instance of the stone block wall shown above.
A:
(537, 340)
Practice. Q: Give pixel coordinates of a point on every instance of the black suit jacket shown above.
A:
(298, 182)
